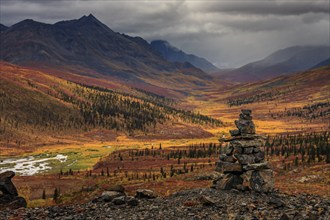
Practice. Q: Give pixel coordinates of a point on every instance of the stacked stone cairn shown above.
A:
(243, 165)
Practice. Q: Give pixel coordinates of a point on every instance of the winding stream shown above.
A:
(29, 166)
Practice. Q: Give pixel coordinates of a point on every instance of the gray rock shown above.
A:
(234, 133)
(259, 157)
(226, 158)
(238, 150)
(248, 150)
(256, 149)
(226, 167)
(245, 158)
(229, 181)
(229, 150)
(247, 143)
(246, 112)
(262, 180)
(108, 196)
(119, 200)
(245, 126)
(132, 201)
(6, 185)
(145, 194)
(256, 166)
(245, 117)
(9, 197)
(207, 201)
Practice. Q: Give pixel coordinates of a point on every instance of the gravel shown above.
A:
(188, 204)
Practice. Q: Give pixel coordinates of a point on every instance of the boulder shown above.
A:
(108, 196)
(132, 201)
(245, 158)
(9, 197)
(145, 194)
(262, 180)
(6, 185)
(229, 181)
(121, 200)
(207, 201)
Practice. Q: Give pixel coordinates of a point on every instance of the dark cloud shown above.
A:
(269, 7)
(228, 33)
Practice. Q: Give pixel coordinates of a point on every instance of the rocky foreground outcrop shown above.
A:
(190, 204)
(8, 193)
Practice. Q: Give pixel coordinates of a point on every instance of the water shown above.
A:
(29, 166)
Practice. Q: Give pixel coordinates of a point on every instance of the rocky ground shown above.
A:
(189, 204)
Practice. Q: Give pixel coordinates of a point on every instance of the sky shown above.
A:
(227, 33)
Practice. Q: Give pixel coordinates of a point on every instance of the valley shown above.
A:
(84, 109)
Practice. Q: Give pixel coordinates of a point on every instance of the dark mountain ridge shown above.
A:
(173, 54)
(87, 45)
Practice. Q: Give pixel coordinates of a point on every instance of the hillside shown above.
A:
(173, 54)
(87, 47)
(37, 107)
(325, 62)
(282, 62)
(302, 86)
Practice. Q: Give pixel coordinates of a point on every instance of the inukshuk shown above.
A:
(243, 163)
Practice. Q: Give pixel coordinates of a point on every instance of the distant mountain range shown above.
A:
(174, 54)
(88, 47)
(281, 62)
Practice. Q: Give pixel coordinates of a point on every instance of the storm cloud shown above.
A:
(228, 33)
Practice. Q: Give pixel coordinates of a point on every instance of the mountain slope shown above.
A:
(173, 54)
(3, 27)
(301, 87)
(325, 62)
(35, 106)
(86, 46)
(282, 62)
